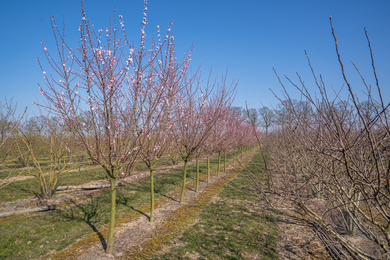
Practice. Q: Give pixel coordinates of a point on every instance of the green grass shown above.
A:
(57, 229)
(17, 168)
(232, 227)
(30, 187)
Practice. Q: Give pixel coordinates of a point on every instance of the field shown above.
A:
(225, 219)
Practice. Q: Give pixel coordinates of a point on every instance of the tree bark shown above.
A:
(110, 240)
(219, 163)
(197, 175)
(208, 170)
(151, 195)
(184, 182)
(224, 162)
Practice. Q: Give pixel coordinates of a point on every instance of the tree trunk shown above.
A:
(208, 170)
(224, 162)
(219, 163)
(197, 175)
(110, 240)
(184, 182)
(151, 195)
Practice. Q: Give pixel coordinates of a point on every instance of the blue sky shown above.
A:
(248, 37)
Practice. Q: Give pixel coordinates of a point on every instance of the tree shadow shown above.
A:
(89, 213)
(140, 212)
(124, 200)
(168, 197)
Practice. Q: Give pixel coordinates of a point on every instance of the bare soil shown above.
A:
(297, 238)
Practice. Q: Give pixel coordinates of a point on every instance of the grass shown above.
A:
(34, 235)
(30, 187)
(231, 227)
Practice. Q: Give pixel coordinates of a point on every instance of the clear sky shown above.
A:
(247, 36)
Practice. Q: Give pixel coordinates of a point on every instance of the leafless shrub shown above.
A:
(8, 126)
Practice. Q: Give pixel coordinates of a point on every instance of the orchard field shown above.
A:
(136, 155)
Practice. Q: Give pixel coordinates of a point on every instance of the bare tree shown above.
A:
(51, 143)
(266, 118)
(8, 128)
(331, 159)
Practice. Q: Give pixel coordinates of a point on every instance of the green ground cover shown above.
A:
(34, 235)
(233, 226)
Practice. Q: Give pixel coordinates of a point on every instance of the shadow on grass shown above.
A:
(88, 213)
(140, 212)
(124, 200)
(25, 188)
(168, 197)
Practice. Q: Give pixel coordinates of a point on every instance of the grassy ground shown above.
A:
(233, 226)
(34, 235)
(30, 187)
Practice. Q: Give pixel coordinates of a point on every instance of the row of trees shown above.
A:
(124, 103)
(276, 117)
(330, 158)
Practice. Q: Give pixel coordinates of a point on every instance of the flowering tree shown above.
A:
(199, 111)
(166, 77)
(106, 78)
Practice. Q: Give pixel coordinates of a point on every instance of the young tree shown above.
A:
(106, 78)
(199, 111)
(165, 79)
(52, 143)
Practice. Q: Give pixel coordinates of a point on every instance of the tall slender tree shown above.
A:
(200, 109)
(107, 78)
(166, 77)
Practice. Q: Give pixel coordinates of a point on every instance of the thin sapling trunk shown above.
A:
(197, 175)
(208, 170)
(219, 163)
(184, 181)
(224, 162)
(151, 195)
(110, 240)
